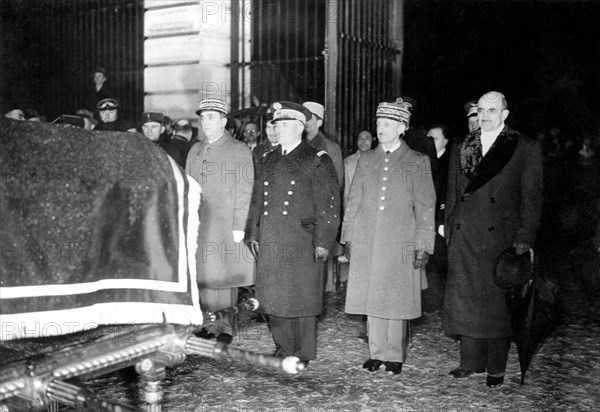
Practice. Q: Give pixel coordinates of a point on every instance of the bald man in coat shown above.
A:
(493, 202)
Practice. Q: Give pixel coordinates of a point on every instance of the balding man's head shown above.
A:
(492, 110)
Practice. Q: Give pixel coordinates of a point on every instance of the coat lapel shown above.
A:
(492, 163)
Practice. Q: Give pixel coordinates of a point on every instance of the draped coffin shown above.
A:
(96, 228)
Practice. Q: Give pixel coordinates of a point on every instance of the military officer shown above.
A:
(223, 166)
(153, 128)
(295, 218)
(318, 141)
(471, 109)
(389, 227)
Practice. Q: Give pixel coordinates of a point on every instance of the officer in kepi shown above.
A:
(153, 128)
(389, 232)
(294, 222)
(223, 167)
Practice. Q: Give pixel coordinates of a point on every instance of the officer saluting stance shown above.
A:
(294, 222)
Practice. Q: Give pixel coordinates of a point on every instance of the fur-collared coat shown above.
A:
(225, 172)
(296, 206)
(389, 214)
(492, 201)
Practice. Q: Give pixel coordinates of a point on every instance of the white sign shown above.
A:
(172, 21)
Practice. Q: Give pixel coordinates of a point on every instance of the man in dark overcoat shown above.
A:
(152, 125)
(223, 166)
(389, 226)
(493, 202)
(318, 141)
(295, 219)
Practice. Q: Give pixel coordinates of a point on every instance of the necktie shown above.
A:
(388, 152)
(284, 152)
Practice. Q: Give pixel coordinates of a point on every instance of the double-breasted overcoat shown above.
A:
(295, 208)
(492, 201)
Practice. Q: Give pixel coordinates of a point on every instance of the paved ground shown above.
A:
(564, 375)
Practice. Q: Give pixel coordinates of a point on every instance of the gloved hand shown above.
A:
(348, 250)
(254, 248)
(321, 254)
(521, 247)
(238, 236)
(420, 259)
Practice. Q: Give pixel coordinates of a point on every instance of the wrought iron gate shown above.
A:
(343, 53)
(368, 65)
(70, 38)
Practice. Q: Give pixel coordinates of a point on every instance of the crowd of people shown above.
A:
(279, 200)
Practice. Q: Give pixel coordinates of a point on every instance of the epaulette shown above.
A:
(321, 153)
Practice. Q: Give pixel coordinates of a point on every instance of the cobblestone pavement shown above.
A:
(564, 375)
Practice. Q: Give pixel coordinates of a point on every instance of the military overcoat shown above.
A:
(389, 214)
(296, 207)
(225, 172)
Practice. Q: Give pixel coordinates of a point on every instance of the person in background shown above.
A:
(416, 138)
(388, 232)
(153, 129)
(251, 134)
(494, 201)
(168, 125)
(438, 264)
(100, 90)
(364, 142)
(182, 138)
(318, 141)
(294, 221)
(224, 168)
(271, 143)
(108, 110)
(89, 122)
(439, 134)
(471, 109)
(31, 115)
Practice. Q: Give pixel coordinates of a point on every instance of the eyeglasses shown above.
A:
(250, 131)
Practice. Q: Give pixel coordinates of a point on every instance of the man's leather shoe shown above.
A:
(394, 367)
(372, 364)
(494, 381)
(464, 373)
(225, 338)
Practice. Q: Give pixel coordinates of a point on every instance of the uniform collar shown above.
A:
(221, 140)
(291, 148)
(393, 148)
